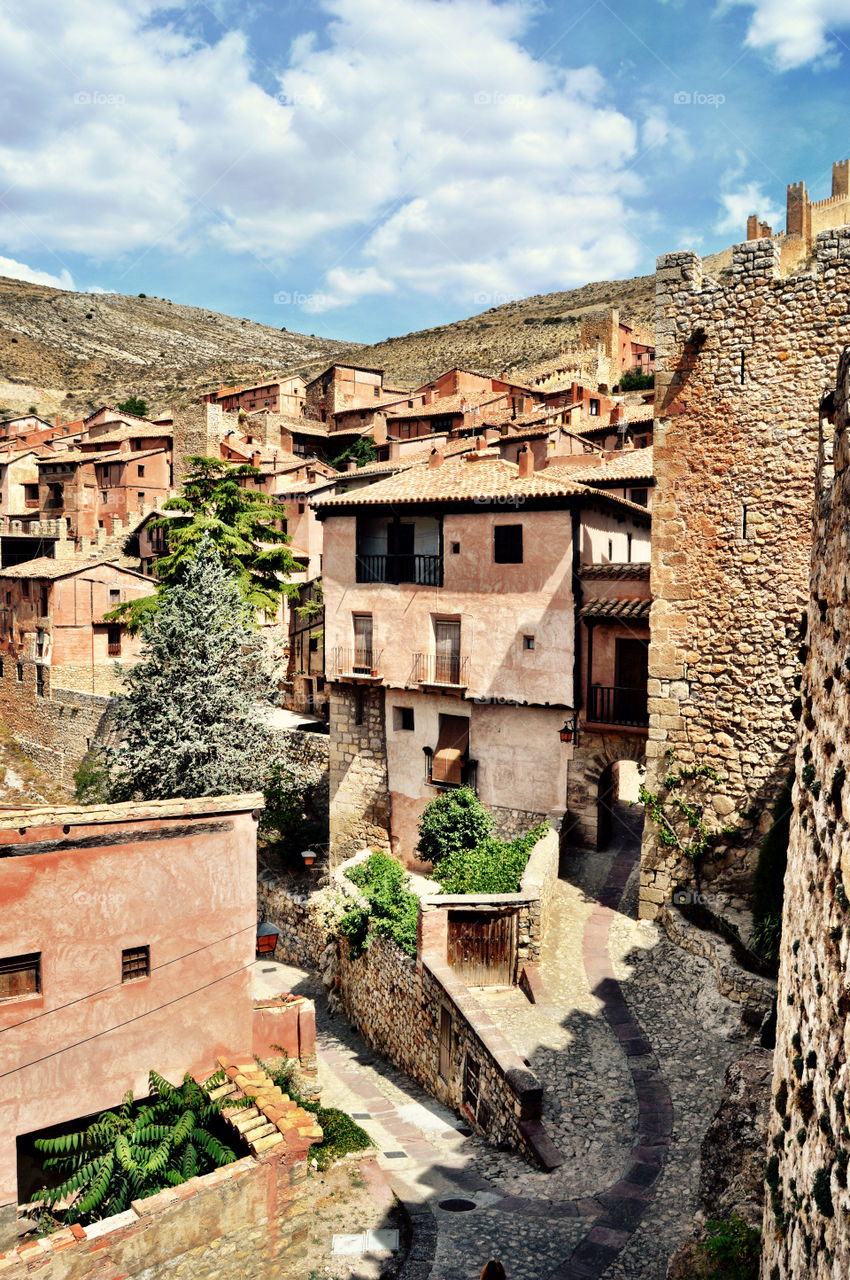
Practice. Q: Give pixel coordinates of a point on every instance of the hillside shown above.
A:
(67, 352)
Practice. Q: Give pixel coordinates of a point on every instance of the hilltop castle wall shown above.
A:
(740, 368)
(808, 1153)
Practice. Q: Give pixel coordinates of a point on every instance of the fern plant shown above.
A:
(135, 1151)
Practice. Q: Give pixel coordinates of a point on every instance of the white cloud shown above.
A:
(413, 144)
(20, 271)
(737, 205)
(797, 31)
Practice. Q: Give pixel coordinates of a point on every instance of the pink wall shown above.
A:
(78, 886)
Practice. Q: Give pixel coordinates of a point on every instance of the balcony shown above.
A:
(451, 670)
(354, 664)
(425, 571)
(610, 704)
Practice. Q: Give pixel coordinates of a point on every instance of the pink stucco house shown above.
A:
(128, 937)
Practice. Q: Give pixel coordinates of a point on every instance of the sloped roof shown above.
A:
(127, 432)
(627, 465)
(627, 610)
(98, 458)
(614, 570)
(460, 403)
(486, 478)
(46, 567)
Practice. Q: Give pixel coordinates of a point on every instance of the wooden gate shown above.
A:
(482, 947)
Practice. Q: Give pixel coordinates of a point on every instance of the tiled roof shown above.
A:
(628, 464)
(627, 610)
(46, 567)
(487, 477)
(450, 404)
(639, 412)
(615, 571)
(122, 457)
(127, 432)
(122, 414)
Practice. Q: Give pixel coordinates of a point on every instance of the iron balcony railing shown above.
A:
(425, 571)
(451, 669)
(354, 662)
(610, 704)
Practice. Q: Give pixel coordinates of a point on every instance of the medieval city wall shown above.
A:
(807, 1199)
(55, 731)
(740, 368)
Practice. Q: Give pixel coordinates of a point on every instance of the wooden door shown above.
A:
(631, 664)
(482, 947)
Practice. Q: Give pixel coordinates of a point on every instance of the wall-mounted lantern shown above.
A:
(309, 856)
(569, 733)
(267, 936)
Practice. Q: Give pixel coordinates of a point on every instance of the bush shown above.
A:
(494, 866)
(341, 1134)
(734, 1248)
(636, 381)
(91, 780)
(453, 823)
(392, 910)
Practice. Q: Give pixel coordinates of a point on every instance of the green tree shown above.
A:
(134, 404)
(241, 522)
(189, 720)
(363, 452)
(453, 823)
(134, 1152)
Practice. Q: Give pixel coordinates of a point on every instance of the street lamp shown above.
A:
(569, 733)
(309, 857)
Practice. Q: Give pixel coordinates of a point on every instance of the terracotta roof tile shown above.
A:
(628, 464)
(632, 610)
(615, 571)
(47, 567)
(450, 404)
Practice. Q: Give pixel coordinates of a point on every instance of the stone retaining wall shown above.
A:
(247, 1219)
(756, 994)
(57, 730)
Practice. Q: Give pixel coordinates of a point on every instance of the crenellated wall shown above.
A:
(740, 368)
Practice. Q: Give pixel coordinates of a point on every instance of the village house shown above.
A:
(123, 925)
(453, 604)
(278, 395)
(342, 387)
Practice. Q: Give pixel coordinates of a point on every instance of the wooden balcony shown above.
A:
(425, 571)
(611, 704)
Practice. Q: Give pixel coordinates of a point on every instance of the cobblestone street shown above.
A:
(631, 1043)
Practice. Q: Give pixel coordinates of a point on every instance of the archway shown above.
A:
(618, 788)
(603, 771)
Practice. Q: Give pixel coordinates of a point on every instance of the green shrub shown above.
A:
(91, 780)
(636, 381)
(733, 1247)
(494, 866)
(392, 909)
(341, 1134)
(454, 822)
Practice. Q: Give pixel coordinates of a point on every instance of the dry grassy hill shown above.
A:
(66, 353)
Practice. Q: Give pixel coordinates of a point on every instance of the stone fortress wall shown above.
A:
(808, 1154)
(740, 369)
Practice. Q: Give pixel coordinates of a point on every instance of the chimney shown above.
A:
(351, 465)
(395, 450)
(525, 458)
(617, 413)
(480, 443)
(436, 459)
(255, 459)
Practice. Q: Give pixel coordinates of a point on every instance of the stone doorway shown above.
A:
(618, 790)
(603, 776)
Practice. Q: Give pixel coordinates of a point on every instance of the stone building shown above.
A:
(806, 218)
(807, 1202)
(740, 368)
(453, 618)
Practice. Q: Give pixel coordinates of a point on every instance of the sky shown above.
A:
(364, 168)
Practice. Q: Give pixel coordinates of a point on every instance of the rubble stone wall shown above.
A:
(359, 785)
(740, 368)
(248, 1219)
(808, 1202)
(55, 730)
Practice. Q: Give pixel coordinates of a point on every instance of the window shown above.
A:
(363, 658)
(141, 498)
(314, 644)
(104, 496)
(39, 643)
(507, 544)
(20, 976)
(628, 548)
(135, 963)
(39, 682)
(377, 391)
(455, 548)
(403, 718)
(528, 642)
(20, 673)
(114, 595)
(640, 496)
(452, 752)
(113, 640)
(594, 409)
(140, 470)
(43, 602)
(610, 549)
(301, 506)
(25, 590)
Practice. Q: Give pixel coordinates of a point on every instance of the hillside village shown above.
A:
(579, 605)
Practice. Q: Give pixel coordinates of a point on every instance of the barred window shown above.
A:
(135, 963)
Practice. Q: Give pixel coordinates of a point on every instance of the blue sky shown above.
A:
(362, 168)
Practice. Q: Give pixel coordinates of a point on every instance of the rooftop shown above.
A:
(78, 815)
(632, 610)
(627, 464)
(460, 403)
(47, 567)
(615, 571)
